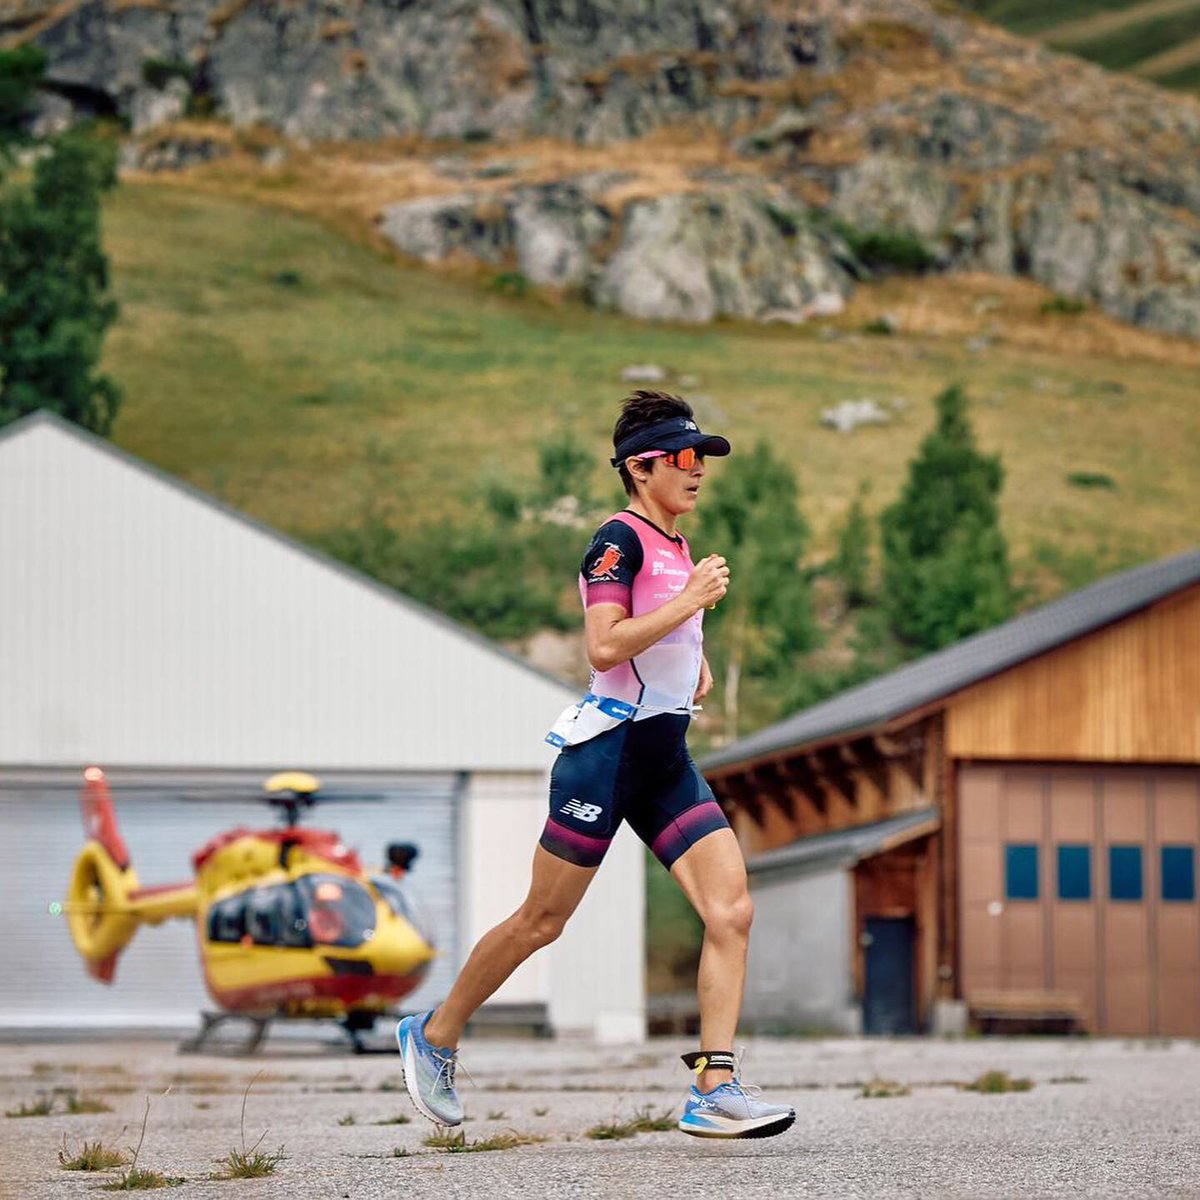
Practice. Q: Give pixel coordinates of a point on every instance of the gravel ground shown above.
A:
(1103, 1118)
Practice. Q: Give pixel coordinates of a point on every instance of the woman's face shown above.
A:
(669, 487)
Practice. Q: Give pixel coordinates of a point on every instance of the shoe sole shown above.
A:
(408, 1065)
(769, 1128)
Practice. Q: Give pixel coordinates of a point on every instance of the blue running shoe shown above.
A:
(428, 1072)
(733, 1110)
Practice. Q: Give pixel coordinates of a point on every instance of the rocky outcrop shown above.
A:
(891, 116)
(734, 250)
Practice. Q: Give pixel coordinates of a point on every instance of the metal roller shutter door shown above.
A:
(159, 980)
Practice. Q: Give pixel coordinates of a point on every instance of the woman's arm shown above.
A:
(614, 638)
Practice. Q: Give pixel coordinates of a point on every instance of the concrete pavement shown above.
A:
(1104, 1118)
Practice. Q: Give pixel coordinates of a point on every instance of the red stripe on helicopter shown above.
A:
(346, 989)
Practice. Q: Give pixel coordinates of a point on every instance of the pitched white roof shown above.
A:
(143, 623)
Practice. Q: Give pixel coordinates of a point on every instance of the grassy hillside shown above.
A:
(1157, 39)
(270, 361)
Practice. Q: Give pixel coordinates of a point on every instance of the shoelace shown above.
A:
(750, 1090)
(445, 1075)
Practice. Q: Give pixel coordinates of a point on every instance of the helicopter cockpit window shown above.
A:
(227, 920)
(274, 917)
(267, 916)
(403, 903)
(339, 911)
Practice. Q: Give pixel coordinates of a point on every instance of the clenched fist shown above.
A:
(708, 582)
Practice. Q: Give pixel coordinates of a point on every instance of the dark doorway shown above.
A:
(888, 1002)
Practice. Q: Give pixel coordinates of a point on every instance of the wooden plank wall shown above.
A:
(1127, 693)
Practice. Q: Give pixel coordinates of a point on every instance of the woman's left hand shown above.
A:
(705, 684)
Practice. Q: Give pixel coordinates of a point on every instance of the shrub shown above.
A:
(1066, 306)
(888, 250)
(158, 72)
(1092, 479)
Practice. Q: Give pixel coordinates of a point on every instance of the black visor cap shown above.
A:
(677, 433)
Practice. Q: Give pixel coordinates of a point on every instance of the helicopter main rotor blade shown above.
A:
(324, 796)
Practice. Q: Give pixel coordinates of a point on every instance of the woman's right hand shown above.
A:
(708, 582)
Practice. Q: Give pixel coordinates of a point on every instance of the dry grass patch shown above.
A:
(644, 1120)
(250, 1162)
(91, 1156)
(883, 1089)
(137, 1178)
(43, 1106)
(993, 1083)
(77, 1103)
(456, 1143)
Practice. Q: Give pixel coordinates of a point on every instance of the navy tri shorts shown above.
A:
(640, 772)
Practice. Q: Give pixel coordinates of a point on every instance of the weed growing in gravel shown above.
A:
(85, 1104)
(138, 1178)
(398, 1119)
(995, 1082)
(91, 1156)
(348, 1119)
(882, 1089)
(496, 1114)
(456, 1143)
(644, 1120)
(540, 1112)
(43, 1106)
(401, 1152)
(1069, 1079)
(389, 1086)
(250, 1163)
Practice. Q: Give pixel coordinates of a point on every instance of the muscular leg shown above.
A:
(554, 893)
(712, 874)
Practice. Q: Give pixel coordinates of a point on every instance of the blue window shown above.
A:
(1124, 872)
(1021, 871)
(1074, 872)
(1178, 873)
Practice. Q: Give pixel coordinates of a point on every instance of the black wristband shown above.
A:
(709, 1060)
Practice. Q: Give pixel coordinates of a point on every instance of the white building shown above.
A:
(182, 646)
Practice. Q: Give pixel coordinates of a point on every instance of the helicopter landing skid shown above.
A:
(211, 1021)
(353, 1026)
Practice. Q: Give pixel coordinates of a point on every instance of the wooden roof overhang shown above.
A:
(800, 776)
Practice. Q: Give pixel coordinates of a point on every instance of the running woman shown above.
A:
(623, 757)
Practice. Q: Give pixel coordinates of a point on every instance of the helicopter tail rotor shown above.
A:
(99, 915)
(105, 902)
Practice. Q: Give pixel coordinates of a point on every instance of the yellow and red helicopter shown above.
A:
(289, 922)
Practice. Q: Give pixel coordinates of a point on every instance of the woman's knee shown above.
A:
(730, 918)
(539, 926)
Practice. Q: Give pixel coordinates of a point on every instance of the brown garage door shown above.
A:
(1083, 879)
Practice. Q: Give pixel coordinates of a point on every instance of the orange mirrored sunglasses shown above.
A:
(684, 459)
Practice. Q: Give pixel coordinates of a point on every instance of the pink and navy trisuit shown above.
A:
(640, 771)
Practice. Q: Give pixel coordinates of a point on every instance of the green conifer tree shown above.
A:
(55, 300)
(945, 561)
(766, 622)
(852, 564)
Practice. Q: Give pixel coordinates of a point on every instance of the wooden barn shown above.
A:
(1006, 829)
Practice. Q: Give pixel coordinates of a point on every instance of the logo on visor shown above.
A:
(584, 812)
(607, 563)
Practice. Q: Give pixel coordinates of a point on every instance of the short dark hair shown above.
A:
(640, 410)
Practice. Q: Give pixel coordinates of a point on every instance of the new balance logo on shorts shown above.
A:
(585, 812)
